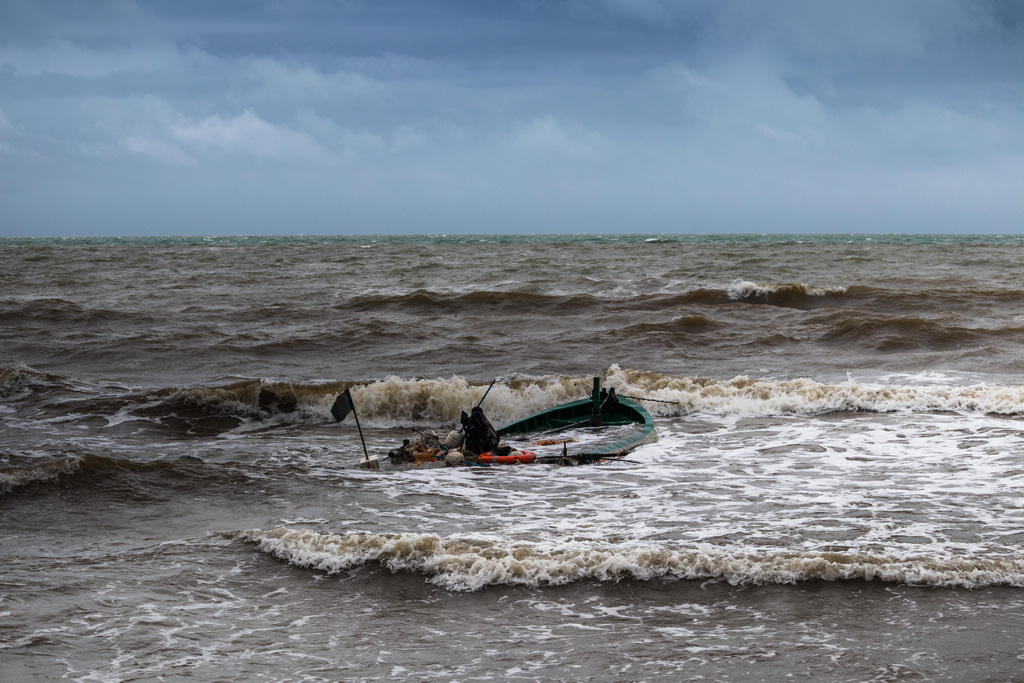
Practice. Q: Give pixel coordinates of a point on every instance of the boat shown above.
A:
(603, 427)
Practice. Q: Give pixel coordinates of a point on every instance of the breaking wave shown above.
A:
(390, 402)
(791, 295)
(398, 402)
(460, 563)
(259, 398)
(12, 478)
(744, 396)
(16, 380)
(437, 402)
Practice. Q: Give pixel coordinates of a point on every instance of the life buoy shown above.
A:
(521, 457)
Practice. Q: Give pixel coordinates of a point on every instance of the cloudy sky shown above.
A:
(136, 117)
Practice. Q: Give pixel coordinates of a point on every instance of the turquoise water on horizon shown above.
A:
(526, 238)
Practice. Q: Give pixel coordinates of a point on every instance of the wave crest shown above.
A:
(749, 397)
(16, 477)
(399, 402)
(472, 563)
(790, 295)
(15, 380)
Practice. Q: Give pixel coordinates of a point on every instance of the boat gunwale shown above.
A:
(541, 421)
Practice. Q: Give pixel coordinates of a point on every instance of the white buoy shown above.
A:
(454, 439)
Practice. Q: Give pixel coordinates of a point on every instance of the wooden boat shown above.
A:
(604, 426)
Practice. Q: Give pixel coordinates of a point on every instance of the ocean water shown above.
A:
(837, 493)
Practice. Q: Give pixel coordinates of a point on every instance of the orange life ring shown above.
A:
(523, 457)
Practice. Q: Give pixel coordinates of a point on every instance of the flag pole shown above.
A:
(342, 405)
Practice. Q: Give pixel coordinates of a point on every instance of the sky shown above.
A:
(226, 117)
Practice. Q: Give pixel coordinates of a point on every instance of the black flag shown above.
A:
(342, 406)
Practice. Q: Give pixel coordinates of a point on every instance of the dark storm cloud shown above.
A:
(613, 115)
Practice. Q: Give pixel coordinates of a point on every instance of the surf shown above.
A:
(466, 563)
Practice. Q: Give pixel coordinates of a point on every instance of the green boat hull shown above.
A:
(625, 424)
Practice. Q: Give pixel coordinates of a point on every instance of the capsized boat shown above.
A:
(602, 427)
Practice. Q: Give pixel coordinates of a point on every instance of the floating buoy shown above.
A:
(513, 458)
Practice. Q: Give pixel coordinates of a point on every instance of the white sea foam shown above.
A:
(801, 396)
(14, 477)
(397, 401)
(740, 289)
(463, 563)
(893, 486)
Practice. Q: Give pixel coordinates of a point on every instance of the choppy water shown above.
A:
(836, 494)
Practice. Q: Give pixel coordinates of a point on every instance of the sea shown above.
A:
(837, 492)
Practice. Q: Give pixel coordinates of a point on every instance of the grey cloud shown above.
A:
(643, 115)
